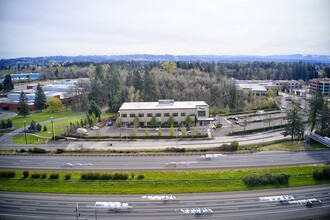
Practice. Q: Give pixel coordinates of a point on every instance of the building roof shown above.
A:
(253, 87)
(320, 80)
(162, 105)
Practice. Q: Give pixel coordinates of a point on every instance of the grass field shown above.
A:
(59, 127)
(42, 116)
(160, 181)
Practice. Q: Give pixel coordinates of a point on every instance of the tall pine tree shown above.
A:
(8, 84)
(40, 98)
(295, 126)
(23, 101)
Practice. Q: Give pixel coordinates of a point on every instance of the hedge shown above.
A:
(322, 175)
(7, 174)
(266, 179)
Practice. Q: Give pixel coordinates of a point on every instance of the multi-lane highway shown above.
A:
(228, 205)
(136, 162)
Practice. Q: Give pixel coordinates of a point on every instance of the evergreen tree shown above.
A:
(38, 127)
(149, 87)
(40, 98)
(3, 124)
(295, 126)
(8, 84)
(33, 126)
(9, 123)
(137, 81)
(95, 109)
(45, 128)
(323, 125)
(23, 101)
(315, 105)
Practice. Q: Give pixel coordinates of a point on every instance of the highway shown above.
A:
(227, 205)
(158, 162)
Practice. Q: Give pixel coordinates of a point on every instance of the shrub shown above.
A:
(322, 175)
(22, 150)
(7, 174)
(266, 179)
(120, 176)
(38, 150)
(140, 176)
(35, 175)
(226, 147)
(106, 176)
(54, 176)
(175, 149)
(90, 176)
(26, 173)
(43, 175)
(59, 151)
(67, 176)
(234, 145)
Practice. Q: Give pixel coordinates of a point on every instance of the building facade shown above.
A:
(321, 85)
(163, 110)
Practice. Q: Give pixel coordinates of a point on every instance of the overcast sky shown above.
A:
(179, 27)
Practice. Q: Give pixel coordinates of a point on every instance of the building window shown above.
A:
(132, 115)
(149, 115)
(141, 115)
(201, 113)
(158, 115)
(192, 113)
(175, 114)
(141, 124)
(166, 114)
(183, 114)
(124, 115)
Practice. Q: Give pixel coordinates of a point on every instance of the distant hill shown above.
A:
(150, 57)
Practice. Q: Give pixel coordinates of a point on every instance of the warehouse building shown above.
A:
(162, 110)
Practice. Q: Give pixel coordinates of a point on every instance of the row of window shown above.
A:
(150, 115)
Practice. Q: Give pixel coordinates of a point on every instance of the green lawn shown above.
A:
(59, 127)
(282, 145)
(42, 116)
(160, 181)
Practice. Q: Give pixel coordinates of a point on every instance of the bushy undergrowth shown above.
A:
(266, 179)
(322, 175)
(175, 149)
(7, 174)
(104, 176)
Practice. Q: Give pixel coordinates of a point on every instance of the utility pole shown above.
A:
(53, 129)
(26, 139)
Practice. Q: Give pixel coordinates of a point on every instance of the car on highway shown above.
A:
(313, 202)
(69, 165)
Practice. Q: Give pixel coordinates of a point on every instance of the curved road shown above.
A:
(158, 162)
(229, 205)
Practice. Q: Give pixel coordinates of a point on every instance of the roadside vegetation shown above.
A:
(155, 181)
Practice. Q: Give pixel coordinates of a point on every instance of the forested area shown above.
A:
(111, 84)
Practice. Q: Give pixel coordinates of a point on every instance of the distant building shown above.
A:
(162, 110)
(61, 89)
(321, 85)
(288, 84)
(260, 87)
(24, 76)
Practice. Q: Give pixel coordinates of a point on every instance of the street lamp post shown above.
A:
(53, 129)
(26, 139)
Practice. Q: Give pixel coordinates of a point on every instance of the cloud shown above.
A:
(256, 27)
